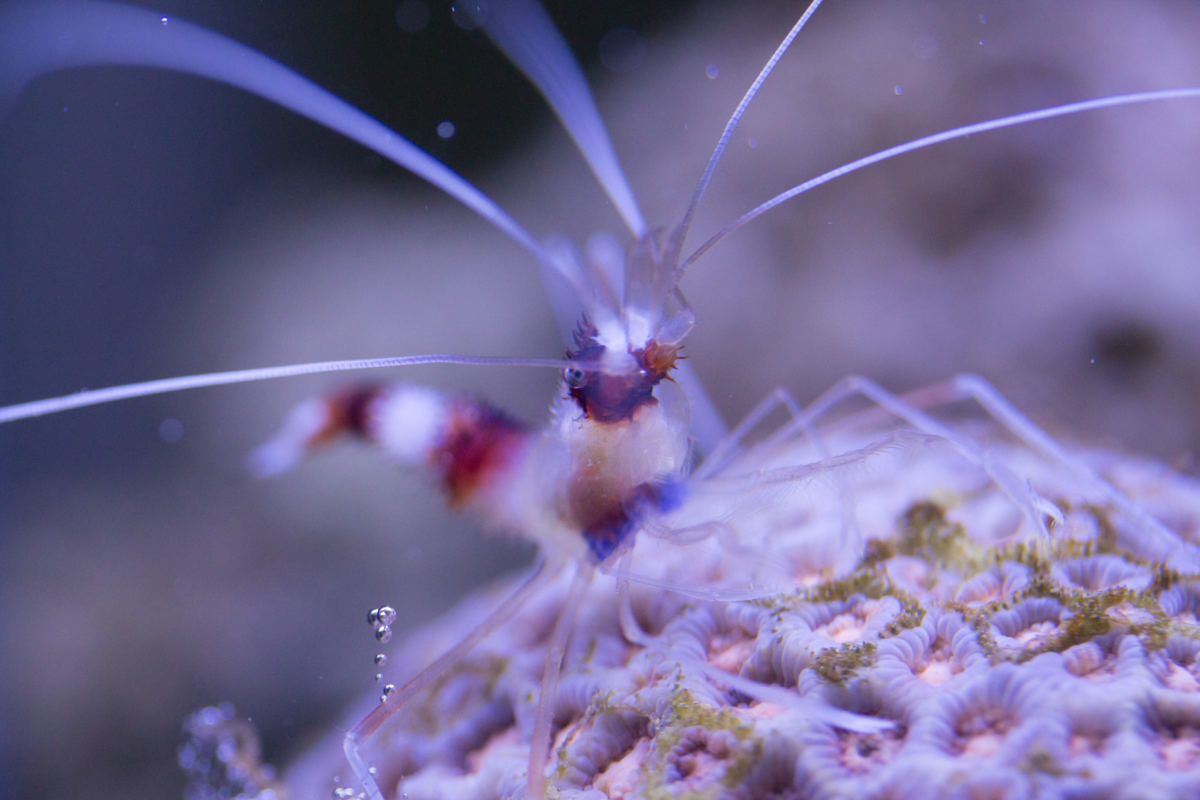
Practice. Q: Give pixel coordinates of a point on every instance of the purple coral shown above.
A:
(1022, 669)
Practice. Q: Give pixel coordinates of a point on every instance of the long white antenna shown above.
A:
(736, 117)
(527, 36)
(937, 138)
(38, 39)
(111, 394)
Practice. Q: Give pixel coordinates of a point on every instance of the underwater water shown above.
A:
(146, 576)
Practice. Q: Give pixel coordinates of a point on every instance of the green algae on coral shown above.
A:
(986, 685)
(837, 665)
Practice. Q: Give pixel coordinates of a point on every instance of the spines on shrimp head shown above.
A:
(623, 432)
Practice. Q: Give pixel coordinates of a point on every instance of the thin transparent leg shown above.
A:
(385, 711)
(539, 745)
(727, 447)
(989, 398)
(776, 398)
(1019, 491)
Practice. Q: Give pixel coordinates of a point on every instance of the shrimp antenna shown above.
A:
(962, 132)
(39, 39)
(111, 394)
(527, 37)
(681, 231)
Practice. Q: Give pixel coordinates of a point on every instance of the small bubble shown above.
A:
(983, 19)
(752, 142)
(387, 615)
(372, 771)
(711, 71)
(445, 129)
(383, 634)
(372, 616)
(622, 50)
(412, 16)
(380, 658)
(899, 89)
(165, 20)
(170, 430)
(378, 676)
(387, 692)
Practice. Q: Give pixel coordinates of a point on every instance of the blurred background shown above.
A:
(154, 225)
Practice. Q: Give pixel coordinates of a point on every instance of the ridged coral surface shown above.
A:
(1012, 664)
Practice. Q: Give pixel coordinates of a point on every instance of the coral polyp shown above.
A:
(1009, 667)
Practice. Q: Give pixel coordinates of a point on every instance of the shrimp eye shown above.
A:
(575, 377)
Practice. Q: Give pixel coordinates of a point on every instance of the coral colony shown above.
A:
(1008, 667)
(865, 601)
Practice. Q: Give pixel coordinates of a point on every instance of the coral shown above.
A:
(1009, 666)
(221, 757)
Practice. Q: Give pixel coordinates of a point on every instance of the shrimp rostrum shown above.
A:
(702, 536)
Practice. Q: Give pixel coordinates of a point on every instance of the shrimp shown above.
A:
(727, 351)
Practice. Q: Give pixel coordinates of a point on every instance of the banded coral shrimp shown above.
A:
(712, 312)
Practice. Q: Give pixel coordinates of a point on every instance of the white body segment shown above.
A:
(607, 461)
(407, 421)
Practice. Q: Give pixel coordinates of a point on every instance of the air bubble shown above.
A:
(899, 89)
(387, 692)
(170, 430)
(711, 71)
(378, 676)
(445, 129)
(380, 659)
(384, 615)
(622, 50)
(412, 16)
(165, 20)
(383, 634)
